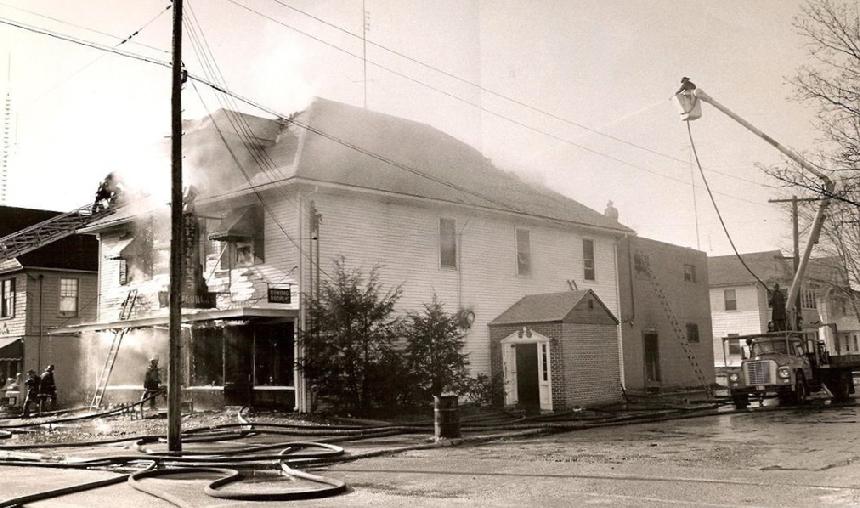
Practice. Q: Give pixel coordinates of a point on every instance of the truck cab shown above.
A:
(776, 363)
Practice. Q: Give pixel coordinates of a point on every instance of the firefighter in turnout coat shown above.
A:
(151, 382)
(32, 384)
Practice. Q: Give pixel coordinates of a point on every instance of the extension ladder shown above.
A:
(110, 360)
(680, 333)
(48, 231)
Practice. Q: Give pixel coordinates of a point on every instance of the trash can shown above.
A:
(446, 416)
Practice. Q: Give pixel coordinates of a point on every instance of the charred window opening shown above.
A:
(122, 270)
(136, 258)
(273, 353)
(207, 357)
(242, 239)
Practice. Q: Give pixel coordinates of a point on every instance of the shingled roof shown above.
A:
(547, 308)
(438, 166)
(770, 266)
(76, 252)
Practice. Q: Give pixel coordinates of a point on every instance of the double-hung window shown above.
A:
(731, 299)
(7, 298)
(524, 252)
(588, 259)
(68, 297)
(447, 243)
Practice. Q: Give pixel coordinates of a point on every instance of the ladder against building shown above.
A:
(110, 360)
(680, 333)
(49, 231)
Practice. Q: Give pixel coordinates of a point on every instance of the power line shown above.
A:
(717, 209)
(80, 27)
(500, 95)
(478, 106)
(68, 78)
(259, 106)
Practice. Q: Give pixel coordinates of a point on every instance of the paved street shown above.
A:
(800, 457)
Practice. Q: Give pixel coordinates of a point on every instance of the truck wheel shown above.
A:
(741, 400)
(800, 388)
(840, 389)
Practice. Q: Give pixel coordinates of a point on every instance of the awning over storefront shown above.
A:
(188, 316)
(11, 349)
(238, 225)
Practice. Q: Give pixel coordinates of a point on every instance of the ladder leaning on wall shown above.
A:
(681, 336)
(110, 360)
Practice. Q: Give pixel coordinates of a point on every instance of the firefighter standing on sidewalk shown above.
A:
(48, 388)
(32, 384)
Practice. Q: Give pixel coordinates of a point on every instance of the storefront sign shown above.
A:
(280, 295)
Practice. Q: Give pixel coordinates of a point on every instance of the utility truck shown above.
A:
(789, 362)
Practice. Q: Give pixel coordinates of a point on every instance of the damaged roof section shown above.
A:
(438, 166)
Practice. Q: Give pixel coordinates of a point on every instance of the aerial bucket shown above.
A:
(689, 105)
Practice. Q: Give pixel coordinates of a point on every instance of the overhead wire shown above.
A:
(717, 210)
(80, 27)
(500, 95)
(478, 105)
(84, 67)
(261, 107)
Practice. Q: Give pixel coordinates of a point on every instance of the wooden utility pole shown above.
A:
(174, 389)
(795, 230)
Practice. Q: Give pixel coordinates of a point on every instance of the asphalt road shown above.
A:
(800, 457)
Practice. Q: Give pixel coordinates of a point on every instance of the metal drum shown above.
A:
(446, 416)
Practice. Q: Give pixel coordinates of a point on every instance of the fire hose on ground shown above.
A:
(286, 457)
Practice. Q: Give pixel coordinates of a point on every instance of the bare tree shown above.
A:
(831, 82)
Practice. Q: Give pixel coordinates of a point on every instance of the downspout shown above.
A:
(620, 320)
(298, 373)
(41, 320)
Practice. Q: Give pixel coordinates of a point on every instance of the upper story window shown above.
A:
(734, 345)
(7, 298)
(693, 333)
(447, 243)
(588, 259)
(242, 233)
(731, 299)
(122, 272)
(68, 297)
(524, 252)
(136, 259)
(690, 273)
(808, 300)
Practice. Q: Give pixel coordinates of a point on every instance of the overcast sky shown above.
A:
(606, 65)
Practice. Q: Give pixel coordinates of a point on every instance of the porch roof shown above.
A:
(188, 316)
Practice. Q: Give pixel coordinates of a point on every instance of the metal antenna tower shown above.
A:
(6, 133)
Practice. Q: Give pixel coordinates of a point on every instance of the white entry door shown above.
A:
(541, 344)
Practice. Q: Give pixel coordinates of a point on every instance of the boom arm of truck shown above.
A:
(827, 185)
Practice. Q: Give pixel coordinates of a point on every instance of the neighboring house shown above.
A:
(446, 223)
(54, 285)
(655, 358)
(740, 305)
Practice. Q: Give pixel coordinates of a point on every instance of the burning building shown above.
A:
(278, 201)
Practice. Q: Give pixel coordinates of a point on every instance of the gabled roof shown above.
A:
(439, 166)
(771, 266)
(768, 265)
(547, 308)
(76, 252)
